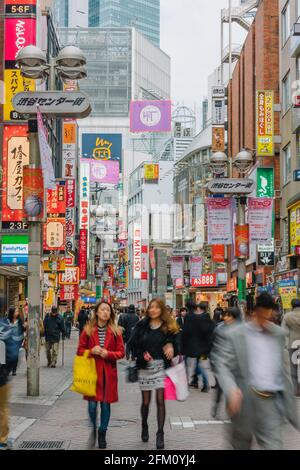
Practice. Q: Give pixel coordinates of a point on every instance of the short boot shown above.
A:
(160, 443)
(102, 439)
(145, 433)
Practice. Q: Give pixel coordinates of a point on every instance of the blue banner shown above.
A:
(102, 146)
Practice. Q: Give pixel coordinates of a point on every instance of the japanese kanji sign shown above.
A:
(70, 276)
(14, 83)
(56, 200)
(260, 219)
(231, 186)
(69, 292)
(15, 156)
(55, 236)
(53, 103)
(265, 123)
(83, 239)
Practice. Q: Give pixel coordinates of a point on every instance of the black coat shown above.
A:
(54, 327)
(82, 319)
(197, 335)
(128, 322)
(138, 341)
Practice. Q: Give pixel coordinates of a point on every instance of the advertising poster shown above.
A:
(15, 157)
(177, 267)
(83, 241)
(242, 241)
(218, 139)
(219, 221)
(287, 294)
(137, 251)
(265, 123)
(151, 173)
(218, 253)
(102, 146)
(104, 172)
(150, 116)
(46, 155)
(33, 193)
(195, 267)
(70, 231)
(294, 213)
(145, 263)
(260, 219)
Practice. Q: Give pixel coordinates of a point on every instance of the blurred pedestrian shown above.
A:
(154, 343)
(15, 322)
(68, 317)
(250, 369)
(103, 338)
(232, 316)
(54, 328)
(128, 321)
(181, 317)
(291, 323)
(218, 314)
(197, 336)
(82, 319)
(6, 352)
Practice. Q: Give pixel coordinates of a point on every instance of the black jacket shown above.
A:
(197, 335)
(218, 312)
(82, 319)
(128, 322)
(54, 327)
(138, 341)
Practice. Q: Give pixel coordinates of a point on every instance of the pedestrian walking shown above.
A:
(181, 317)
(68, 317)
(83, 318)
(54, 329)
(6, 352)
(15, 322)
(232, 316)
(103, 338)
(218, 314)
(154, 343)
(251, 371)
(197, 336)
(128, 321)
(291, 323)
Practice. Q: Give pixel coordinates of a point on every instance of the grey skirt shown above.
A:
(153, 377)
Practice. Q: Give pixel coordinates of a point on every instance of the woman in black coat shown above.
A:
(154, 343)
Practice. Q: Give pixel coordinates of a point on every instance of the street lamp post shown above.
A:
(32, 62)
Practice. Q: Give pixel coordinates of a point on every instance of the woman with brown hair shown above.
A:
(103, 338)
(154, 343)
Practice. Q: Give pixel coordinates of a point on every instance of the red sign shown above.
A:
(56, 200)
(179, 283)
(15, 157)
(55, 235)
(70, 276)
(69, 292)
(33, 193)
(206, 280)
(232, 285)
(144, 263)
(218, 253)
(70, 193)
(20, 32)
(242, 241)
(152, 259)
(83, 240)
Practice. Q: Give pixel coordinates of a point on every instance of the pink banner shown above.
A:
(219, 220)
(19, 32)
(176, 267)
(150, 116)
(70, 193)
(195, 267)
(260, 219)
(104, 171)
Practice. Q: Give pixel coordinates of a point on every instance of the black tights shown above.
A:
(160, 404)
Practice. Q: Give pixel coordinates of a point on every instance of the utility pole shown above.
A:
(242, 201)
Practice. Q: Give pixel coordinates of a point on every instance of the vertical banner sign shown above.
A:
(137, 251)
(218, 139)
(265, 182)
(218, 253)
(46, 155)
(84, 196)
(55, 227)
(265, 123)
(260, 219)
(195, 267)
(69, 149)
(15, 157)
(294, 218)
(33, 193)
(219, 220)
(83, 239)
(177, 267)
(242, 241)
(69, 292)
(145, 262)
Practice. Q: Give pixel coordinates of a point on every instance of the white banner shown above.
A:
(219, 221)
(195, 267)
(260, 219)
(177, 267)
(46, 155)
(137, 251)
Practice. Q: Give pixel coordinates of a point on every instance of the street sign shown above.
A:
(266, 258)
(218, 91)
(68, 104)
(231, 186)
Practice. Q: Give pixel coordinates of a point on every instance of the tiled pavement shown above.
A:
(189, 424)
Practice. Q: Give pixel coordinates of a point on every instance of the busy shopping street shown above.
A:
(149, 227)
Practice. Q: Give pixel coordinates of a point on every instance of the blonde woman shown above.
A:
(154, 343)
(103, 338)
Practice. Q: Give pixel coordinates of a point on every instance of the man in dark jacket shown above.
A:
(181, 317)
(218, 314)
(83, 318)
(128, 321)
(54, 327)
(197, 336)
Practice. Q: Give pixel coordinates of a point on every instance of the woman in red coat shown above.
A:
(103, 338)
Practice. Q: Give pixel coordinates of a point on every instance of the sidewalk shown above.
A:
(61, 415)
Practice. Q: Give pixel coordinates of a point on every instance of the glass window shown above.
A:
(286, 93)
(298, 8)
(287, 164)
(286, 24)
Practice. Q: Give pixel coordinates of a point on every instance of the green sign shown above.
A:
(242, 292)
(265, 182)
(99, 292)
(14, 239)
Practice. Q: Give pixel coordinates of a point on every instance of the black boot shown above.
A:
(102, 439)
(160, 443)
(145, 433)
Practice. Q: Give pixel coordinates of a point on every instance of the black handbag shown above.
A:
(132, 374)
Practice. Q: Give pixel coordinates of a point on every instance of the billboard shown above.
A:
(14, 249)
(260, 219)
(33, 193)
(15, 157)
(102, 146)
(265, 123)
(151, 173)
(104, 172)
(150, 116)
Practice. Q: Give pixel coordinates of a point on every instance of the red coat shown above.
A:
(107, 389)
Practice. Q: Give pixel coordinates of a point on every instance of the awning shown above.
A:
(10, 271)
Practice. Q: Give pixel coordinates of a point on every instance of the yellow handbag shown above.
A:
(84, 375)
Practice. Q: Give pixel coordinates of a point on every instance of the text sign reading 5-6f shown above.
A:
(53, 103)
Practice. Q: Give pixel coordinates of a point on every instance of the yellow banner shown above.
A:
(151, 171)
(265, 123)
(14, 83)
(287, 294)
(295, 226)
